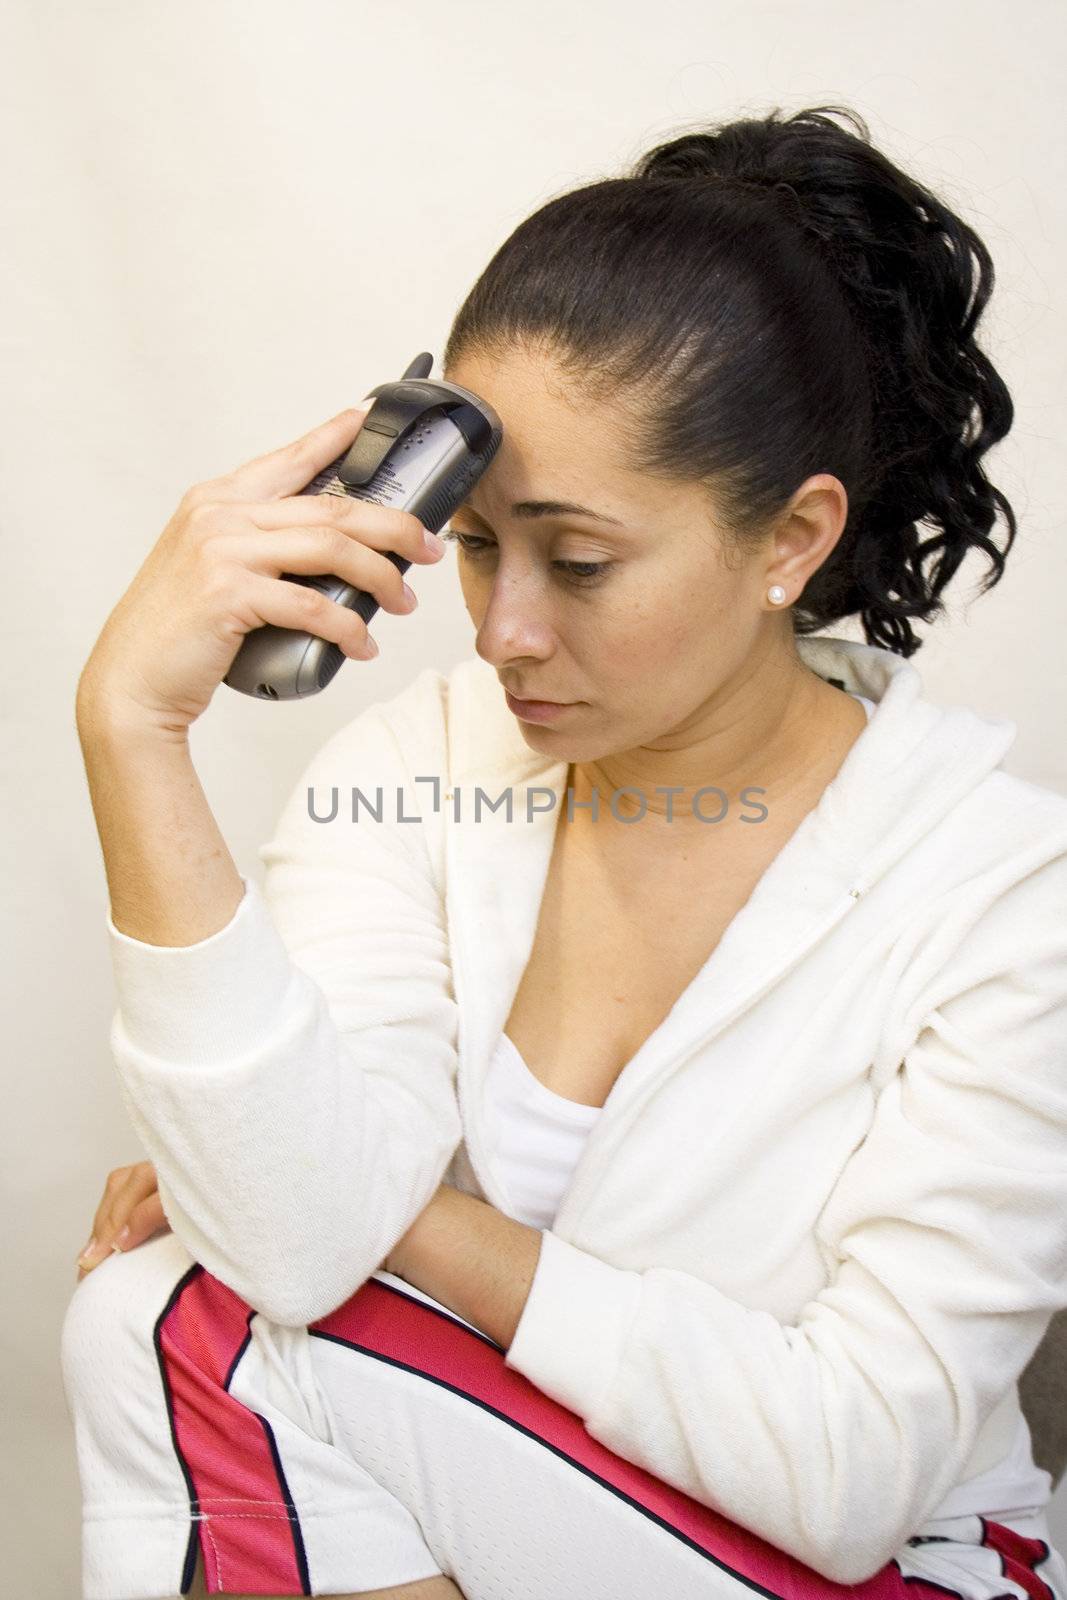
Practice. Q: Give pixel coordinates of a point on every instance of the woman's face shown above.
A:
(639, 637)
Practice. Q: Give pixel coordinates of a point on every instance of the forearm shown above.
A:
(171, 879)
(473, 1258)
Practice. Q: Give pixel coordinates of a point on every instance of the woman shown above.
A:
(667, 1187)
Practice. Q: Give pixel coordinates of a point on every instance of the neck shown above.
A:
(770, 739)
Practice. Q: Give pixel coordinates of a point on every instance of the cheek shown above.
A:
(665, 626)
(638, 628)
(475, 592)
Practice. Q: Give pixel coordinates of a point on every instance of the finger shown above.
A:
(125, 1188)
(316, 552)
(306, 610)
(113, 1185)
(381, 527)
(295, 464)
(145, 1221)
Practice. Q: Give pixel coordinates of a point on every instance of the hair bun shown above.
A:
(743, 151)
(807, 160)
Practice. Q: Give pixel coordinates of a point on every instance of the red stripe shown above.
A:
(225, 1446)
(384, 1321)
(1020, 1556)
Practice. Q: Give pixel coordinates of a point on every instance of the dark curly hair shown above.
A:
(778, 299)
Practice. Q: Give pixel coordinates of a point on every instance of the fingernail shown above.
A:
(119, 1243)
(89, 1248)
(411, 597)
(434, 545)
(371, 647)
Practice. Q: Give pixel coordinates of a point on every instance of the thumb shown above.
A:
(289, 469)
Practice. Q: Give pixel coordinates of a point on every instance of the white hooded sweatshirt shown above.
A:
(820, 1226)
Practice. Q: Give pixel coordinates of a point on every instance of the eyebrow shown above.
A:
(526, 509)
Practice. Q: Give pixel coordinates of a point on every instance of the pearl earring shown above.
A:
(776, 594)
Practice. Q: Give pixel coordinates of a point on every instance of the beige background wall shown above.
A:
(223, 223)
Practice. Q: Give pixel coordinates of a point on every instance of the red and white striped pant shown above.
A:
(390, 1442)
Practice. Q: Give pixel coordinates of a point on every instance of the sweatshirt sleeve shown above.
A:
(292, 1076)
(836, 1436)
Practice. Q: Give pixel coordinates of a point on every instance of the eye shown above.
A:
(583, 571)
(473, 545)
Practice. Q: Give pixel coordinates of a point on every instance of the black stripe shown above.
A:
(185, 1582)
(438, 1311)
(1031, 1566)
(294, 1519)
(241, 1348)
(620, 1494)
(917, 1577)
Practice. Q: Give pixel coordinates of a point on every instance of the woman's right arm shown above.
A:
(214, 574)
(269, 1110)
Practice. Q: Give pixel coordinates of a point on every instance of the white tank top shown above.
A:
(537, 1134)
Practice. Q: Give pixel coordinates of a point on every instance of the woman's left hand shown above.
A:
(129, 1213)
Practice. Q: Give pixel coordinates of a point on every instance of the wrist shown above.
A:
(103, 717)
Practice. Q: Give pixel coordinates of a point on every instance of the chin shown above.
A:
(538, 734)
(552, 742)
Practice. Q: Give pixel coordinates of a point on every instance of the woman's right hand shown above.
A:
(214, 575)
(131, 1202)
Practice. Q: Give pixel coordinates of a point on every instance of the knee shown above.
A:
(111, 1317)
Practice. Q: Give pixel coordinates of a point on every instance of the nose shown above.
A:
(515, 623)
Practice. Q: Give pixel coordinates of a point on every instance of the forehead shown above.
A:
(558, 447)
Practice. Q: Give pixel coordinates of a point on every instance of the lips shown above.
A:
(535, 710)
(538, 699)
